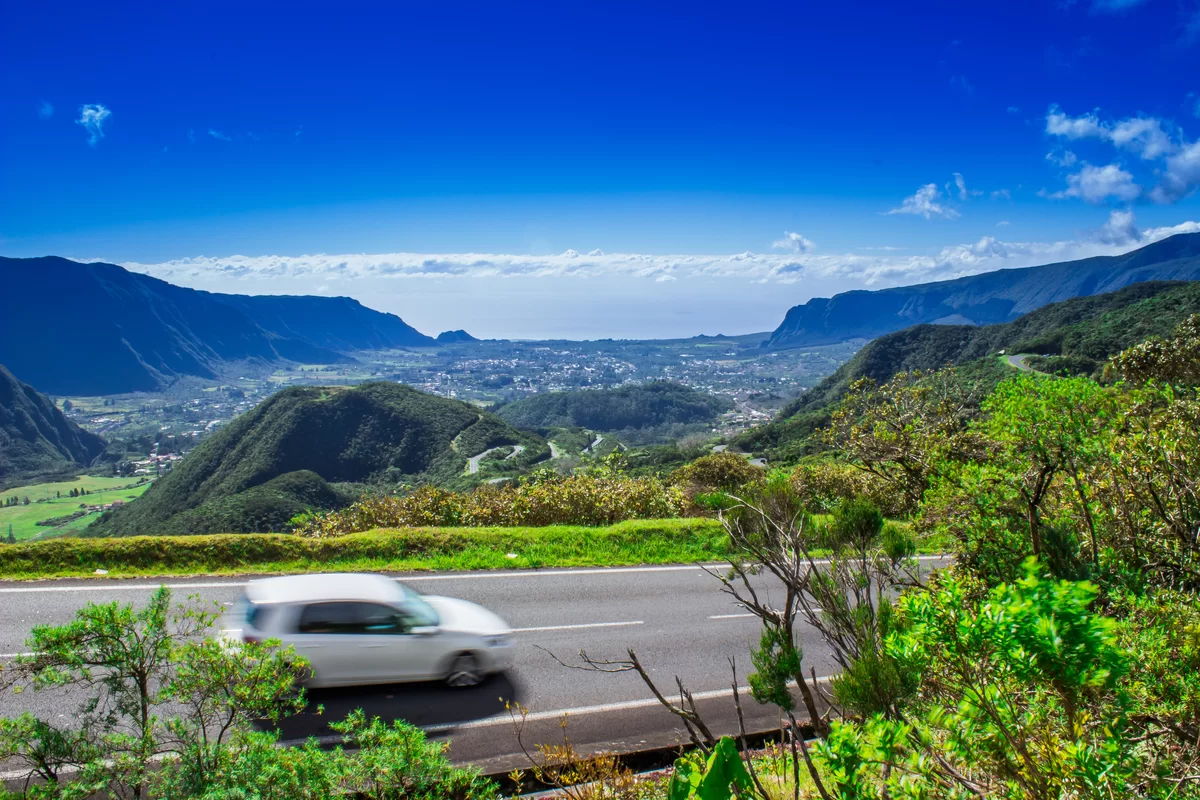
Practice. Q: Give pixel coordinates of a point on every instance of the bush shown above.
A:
(725, 471)
(546, 498)
(825, 484)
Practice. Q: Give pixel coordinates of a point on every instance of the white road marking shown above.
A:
(740, 616)
(575, 627)
(116, 585)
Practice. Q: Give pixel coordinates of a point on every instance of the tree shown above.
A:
(903, 431)
(1174, 361)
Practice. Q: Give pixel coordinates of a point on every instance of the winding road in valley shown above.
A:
(1018, 361)
(675, 617)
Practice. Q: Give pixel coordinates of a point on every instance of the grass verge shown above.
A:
(661, 541)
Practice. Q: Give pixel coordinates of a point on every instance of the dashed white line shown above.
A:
(731, 616)
(576, 627)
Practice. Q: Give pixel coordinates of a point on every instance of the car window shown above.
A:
(418, 612)
(360, 618)
(260, 615)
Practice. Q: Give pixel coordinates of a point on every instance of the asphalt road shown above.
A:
(1018, 361)
(675, 617)
(473, 461)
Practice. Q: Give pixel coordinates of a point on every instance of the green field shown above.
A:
(43, 504)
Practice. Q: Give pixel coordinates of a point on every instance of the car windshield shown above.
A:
(253, 615)
(419, 612)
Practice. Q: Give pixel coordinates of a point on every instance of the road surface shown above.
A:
(554, 452)
(675, 617)
(473, 461)
(1018, 361)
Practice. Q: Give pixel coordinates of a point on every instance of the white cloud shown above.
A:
(348, 274)
(1059, 124)
(1145, 136)
(1096, 184)
(1003, 223)
(1062, 158)
(960, 184)
(92, 117)
(795, 242)
(45, 110)
(1014, 110)
(218, 135)
(1120, 229)
(1002, 194)
(1181, 177)
(925, 202)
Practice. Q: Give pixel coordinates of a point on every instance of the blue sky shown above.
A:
(494, 140)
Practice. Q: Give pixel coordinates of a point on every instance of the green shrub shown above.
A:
(825, 484)
(629, 542)
(544, 499)
(727, 471)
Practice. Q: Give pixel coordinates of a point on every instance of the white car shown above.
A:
(358, 629)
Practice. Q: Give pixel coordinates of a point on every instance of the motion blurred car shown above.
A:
(359, 629)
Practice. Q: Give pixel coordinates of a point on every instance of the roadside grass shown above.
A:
(44, 505)
(664, 541)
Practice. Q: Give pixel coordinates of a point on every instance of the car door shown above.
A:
(330, 636)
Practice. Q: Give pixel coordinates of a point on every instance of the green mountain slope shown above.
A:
(36, 440)
(642, 406)
(282, 457)
(1084, 330)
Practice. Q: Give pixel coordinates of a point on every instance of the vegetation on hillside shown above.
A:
(659, 404)
(1082, 333)
(290, 453)
(37, 441)
(601, 495)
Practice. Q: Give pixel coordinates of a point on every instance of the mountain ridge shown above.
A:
(103, 329)
(984, 299)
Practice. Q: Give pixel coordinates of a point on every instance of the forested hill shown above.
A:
(640, 406)
(90, 329)
(1084, 332)
(985, 299)
(288, 454)
(36, 440)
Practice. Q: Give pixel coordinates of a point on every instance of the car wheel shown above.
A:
(464, 672)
